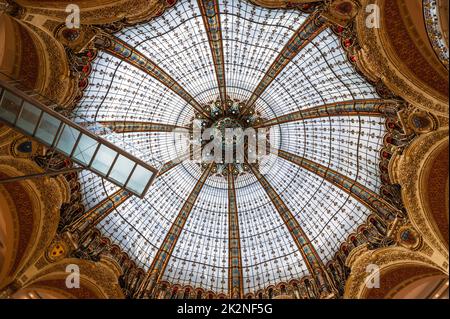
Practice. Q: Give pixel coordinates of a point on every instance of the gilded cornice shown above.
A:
(276, 4)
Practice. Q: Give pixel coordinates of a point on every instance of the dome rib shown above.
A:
(211, 21)
(161, 258)
(311, 258)
(312, 27)
(123, 51)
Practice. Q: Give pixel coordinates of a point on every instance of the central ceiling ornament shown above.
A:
(228, 139)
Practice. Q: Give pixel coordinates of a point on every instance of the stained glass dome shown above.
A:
(254, 228)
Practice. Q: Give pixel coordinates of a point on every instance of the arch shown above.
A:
(426, 286)
(433, 186)
(414, 73)
(396, 265)
(97, 280)
(30, 214)
(422, 172)
(394, 277)
(39, 293)
(210, 295)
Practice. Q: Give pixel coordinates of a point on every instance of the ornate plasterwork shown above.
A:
(57, 84)
(391, 76)
(39, 62)
(374, 60)
(99, 12)
(7, 136)
(57, 250)
(417, 121)
(384, 258)
(94, 276)
(281, 3)
(408, 172)
(46, 197)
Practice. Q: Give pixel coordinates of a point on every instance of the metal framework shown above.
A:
(375, 107)
(162, 257)
(361, 193)
(313, 26)
(121, 50)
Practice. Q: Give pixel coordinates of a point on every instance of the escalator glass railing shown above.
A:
(85, 148)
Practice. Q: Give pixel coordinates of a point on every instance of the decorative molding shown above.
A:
(92, 274)
(384, 258)
(434, 30)
(98, 13)
(373, 59)
(410, 167)
(57, 86)
(162, 256)
(48, 197)
(312, 27)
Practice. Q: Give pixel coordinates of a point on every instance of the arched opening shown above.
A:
(430, 287)
(39, 293)
(434, 190)
(6, 237)
(20, 56)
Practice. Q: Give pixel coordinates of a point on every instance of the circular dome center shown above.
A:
(230, 129)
